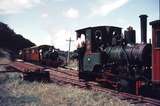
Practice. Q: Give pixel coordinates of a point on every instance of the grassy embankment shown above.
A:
(16, 92)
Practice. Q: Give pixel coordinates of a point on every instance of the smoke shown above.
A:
(80, 41)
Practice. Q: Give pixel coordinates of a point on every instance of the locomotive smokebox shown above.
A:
(143, 21)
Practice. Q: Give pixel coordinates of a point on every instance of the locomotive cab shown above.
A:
(91, 53)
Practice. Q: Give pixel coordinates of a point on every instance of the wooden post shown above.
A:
(68, 57)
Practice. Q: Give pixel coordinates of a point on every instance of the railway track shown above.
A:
(66, 76)
(133, 99)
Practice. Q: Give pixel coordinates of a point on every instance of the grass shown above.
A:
(16, 92)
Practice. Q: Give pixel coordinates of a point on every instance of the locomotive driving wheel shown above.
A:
(126, 85)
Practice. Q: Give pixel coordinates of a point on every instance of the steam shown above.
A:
(80, 41)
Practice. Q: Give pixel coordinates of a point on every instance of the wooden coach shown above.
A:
(155, 50)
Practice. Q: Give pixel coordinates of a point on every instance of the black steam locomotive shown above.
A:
(116, 58)
(44, 54)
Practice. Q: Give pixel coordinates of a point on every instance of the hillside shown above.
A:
(12, 41)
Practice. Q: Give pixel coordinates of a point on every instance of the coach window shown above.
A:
(158, 39)
(32, 51)
(27, 51)
(40, 52)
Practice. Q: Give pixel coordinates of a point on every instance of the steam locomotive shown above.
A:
(44, 54)
(117, 60)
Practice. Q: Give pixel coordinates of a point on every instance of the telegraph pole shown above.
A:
(68, 57)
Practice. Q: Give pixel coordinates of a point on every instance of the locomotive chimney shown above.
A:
(143, 21)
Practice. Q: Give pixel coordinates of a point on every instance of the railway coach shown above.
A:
(44, 54)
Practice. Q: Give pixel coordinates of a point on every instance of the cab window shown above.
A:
(158, 39)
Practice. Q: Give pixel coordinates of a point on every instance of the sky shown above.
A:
(55, 21)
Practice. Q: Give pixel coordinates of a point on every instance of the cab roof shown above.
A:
(98, 27)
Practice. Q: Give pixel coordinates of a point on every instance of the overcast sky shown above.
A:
(54, 21)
